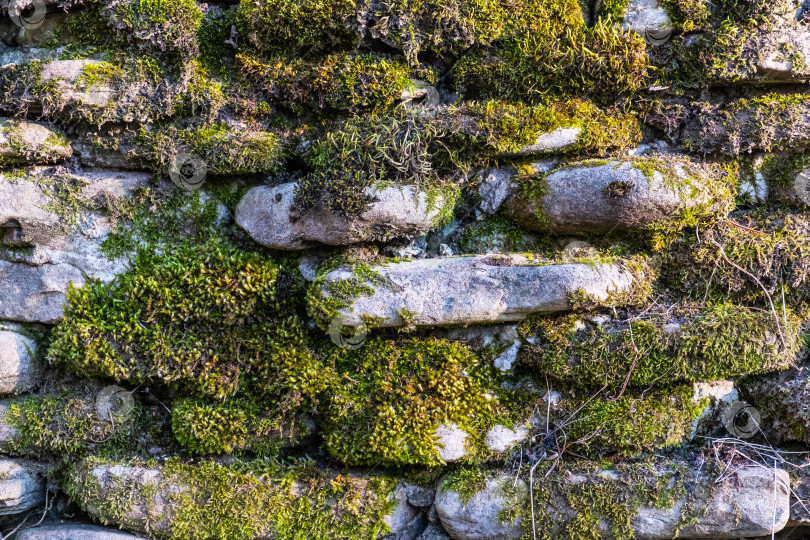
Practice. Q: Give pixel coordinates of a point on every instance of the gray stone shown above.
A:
(501, 438)
(451, 442)
(507, 358)
(70, 531)
(34, 281)
(559, 140)
(781, 400)
(21, 487)
(31, 143)
(20, 371)
(615, 196)
(421, 497)
(482, 289)
(66, 75)
(433, 532)
(642, 16)
(266, 214)
(478, 518)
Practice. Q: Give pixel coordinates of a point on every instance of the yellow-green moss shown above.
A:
(240, 501)
(214, 428)
(685, 344)
(223, 150)
(164, 26)
(634, 423)
(397, 393)
(204, 318)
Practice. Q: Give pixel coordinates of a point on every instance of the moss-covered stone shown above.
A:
(723, 261)
(223, 150)
(663, 346)
(168, 26)
(234, 425)
(241, 501)
(396, 394)
(342, 82)
(204, 318)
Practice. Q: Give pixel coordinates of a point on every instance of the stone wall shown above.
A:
(413, 269)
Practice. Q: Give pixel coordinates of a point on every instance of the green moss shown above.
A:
(775, 250)
(214, 428)
(99, 74)
(716, 342)
(68, 424)
(466, 481)
(498, 234)
(298, 25)
(353, 83)
(688, 15)
(223, 150)
(21, 88)
(612, 10)
(325, 298)
(240, 501)
(163, 26)
(554, 59)
(397, 393)
(634, 423)
(203, 318)
(215, 29)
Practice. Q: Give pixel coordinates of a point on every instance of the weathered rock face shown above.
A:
(27, 142)
(620, 195)
(19, 368)
(266, 214)
(462, 290)
(21, 488)
(479, 517)
(781, 400)
(70, 531)
(53, 246)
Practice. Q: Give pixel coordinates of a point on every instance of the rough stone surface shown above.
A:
(30, 143)
(781, 400)
(70, 531)
(21, 487)
(451, 442)
(501, 438)
(465, 290)
(642, 16)
(266, 214)
(19, 369)
(613, 196)
(478, 518)
(66, 74)
(34, 281)
(555, 141)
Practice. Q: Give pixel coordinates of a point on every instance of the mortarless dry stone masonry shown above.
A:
(424, 269)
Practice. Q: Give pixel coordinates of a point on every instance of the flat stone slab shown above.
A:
(266, 213)
(19, 369)
(74, 532)
(21, 487)
(31, 143)
(462, 290)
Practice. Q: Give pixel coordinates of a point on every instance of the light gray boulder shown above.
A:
(479, 517)
(20, 370)
(21, 487)
(31, 143)
(467, 290)
(51, 249)
(73, 89)
(619, 195)
(266, 213)
(645, 16)
(71, 531)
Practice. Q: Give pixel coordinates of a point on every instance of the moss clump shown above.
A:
(499, 235)
(397, 393)
(466, 481)
(68, 423)
(633, 423)
(612, 10)
(240, 501)
(168, 26)
(204, 318)
(214, 428)
(555, 57)
(22, 88)
(773, 246)
(683, 344)
(223, 150)
(353, 83)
